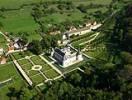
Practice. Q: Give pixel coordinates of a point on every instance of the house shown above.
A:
(16, 44)
(88, 28)
(2, 57)
(19, 43)
(3, 60)
(65, 57)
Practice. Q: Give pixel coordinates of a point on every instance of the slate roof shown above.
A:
(59, 52)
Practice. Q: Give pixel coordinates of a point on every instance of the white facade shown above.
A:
(65, 57)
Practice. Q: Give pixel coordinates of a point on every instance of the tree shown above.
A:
(1, 25)
(75, 78)
(46, 42)
(126, 57)
(35, 47)
(50, 41)
(82, 8)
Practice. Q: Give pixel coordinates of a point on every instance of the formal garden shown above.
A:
(35, 67)
(34, 19)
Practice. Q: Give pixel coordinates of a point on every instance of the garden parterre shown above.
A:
(37, 69)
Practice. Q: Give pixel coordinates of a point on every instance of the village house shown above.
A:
(2, 57)
(86, 29)
(16, 44)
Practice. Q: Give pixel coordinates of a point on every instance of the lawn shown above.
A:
(27, 66)
(51, 74)
(38, 79)
(23, 61)
(46, 69)
(58, 18)
(86, 2)
(9, 71)
(3, 42)
(4, 69)
(20, 55)
(19, 20)
(16, 3)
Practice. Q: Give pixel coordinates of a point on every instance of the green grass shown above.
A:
(4, 70)
(38, 79)
(83, 39)
(23, 61)
(36, 75)
(19, 20)
(16, 3)
(20, 55)
(27, 66)
(3, 42)
(47, 58)
(101, 54)
(32, 72)
(58, 18)
(35, 58)
(51, 74)
(7, 71)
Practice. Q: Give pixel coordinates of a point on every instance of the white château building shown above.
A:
(66, 57)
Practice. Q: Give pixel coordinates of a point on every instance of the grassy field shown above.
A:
(19, 20)
(3, 42)
(75, 15)
(8, 71)
(16, 3)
